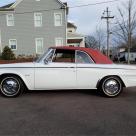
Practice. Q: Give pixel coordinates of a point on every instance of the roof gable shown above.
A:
(12, 6)
(19, 1)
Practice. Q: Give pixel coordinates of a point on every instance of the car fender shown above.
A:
(28, 79)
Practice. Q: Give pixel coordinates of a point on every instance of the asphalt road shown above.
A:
(68, 113)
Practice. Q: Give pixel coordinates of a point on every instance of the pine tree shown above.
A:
(7, 54)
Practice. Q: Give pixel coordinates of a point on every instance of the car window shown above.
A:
(39, 58)
(50, 56)
(66, 56)
(83, 58)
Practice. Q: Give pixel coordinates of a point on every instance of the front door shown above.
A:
(60, 73)
(86, 76)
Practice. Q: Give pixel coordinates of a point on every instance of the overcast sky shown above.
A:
(86, 18)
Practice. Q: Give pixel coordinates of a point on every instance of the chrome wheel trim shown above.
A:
(112, 87)
(10, 86)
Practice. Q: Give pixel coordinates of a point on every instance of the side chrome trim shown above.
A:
(33, 67)
(66, 67)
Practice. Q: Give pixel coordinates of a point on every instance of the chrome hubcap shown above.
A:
(10, 86)
(111, 87)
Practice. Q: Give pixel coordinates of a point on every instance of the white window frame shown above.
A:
(10, 44)
(8, 21)
(55, 23)
(36, 45)
(59, 38)
(35, 19)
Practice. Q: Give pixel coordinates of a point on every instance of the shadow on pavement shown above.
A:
(59, 92)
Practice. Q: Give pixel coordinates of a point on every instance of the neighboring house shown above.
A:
(123, 53)
(73, 38)
(29, 27)
(123, 56)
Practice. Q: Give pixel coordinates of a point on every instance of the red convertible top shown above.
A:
(96, 55)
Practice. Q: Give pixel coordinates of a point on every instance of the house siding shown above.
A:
(24, 30)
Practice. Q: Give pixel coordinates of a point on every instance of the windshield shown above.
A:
(40, 58)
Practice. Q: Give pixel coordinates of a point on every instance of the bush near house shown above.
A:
(9, 57)
(8, 54)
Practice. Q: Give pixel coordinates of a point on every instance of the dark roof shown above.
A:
(133, 50)
(71, 25)
(65, 3)
(8, 5)
(96, 55)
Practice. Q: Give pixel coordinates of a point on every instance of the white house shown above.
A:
(73, 38)
(124, 55)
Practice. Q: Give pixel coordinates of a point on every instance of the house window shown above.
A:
(10, 20)
(59, 41)
(39, 45)
(13, 44)
(58, 19)
(38, 19)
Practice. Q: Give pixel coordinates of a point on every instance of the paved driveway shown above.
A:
(68, 113)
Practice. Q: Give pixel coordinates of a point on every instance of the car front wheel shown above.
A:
(11, 86)
(111, 86)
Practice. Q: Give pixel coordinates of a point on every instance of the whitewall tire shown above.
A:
(111, 86)
(11, 86)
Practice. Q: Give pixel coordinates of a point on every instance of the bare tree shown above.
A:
(100, 37)
(126, 25)
(96, 40)
(91, 42)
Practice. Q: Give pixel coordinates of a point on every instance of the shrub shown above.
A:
(8, 54)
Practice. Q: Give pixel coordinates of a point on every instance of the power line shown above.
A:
(78, 6)
(93, 4)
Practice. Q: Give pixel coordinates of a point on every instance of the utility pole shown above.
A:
(108, 17)
(129, 32)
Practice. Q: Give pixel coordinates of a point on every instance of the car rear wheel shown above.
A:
(111, 86)
(11, 86)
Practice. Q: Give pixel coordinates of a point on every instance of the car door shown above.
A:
(87, 77)
(59, 73)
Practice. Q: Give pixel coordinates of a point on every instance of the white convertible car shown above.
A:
(67, 68)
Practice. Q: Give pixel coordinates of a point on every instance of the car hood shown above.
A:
(17, 65)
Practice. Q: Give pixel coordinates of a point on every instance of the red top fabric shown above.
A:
(96, 55)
